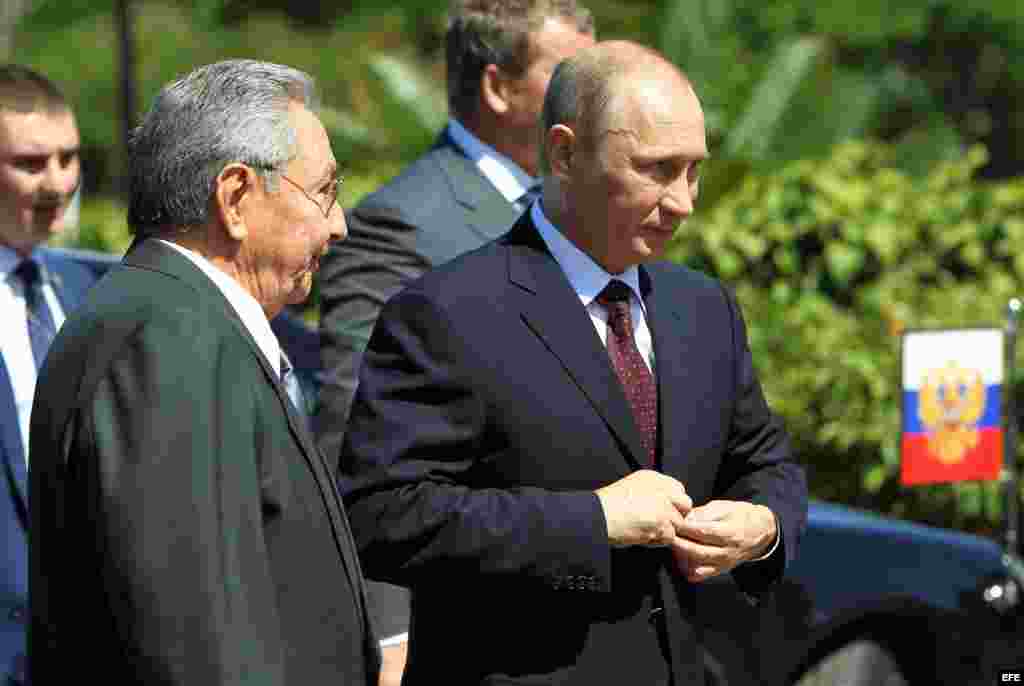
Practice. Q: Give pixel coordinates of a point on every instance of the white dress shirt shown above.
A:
(248, 310)
(504, 174)
(588, 279)
(14, 344)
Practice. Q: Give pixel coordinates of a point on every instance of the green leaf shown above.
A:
(874, 478)
(753, 134)
(415, 107)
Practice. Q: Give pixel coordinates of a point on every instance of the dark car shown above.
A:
(869, 600)
(872, 600)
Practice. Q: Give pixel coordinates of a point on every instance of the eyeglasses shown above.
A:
(331, 195)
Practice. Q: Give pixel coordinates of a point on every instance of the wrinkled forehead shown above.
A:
(657, 112)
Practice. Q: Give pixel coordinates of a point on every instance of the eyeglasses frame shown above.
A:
(338, 180)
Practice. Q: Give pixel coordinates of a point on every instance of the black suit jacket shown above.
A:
(185, 529)
(439, 207)
(70, 281)
(488, 413)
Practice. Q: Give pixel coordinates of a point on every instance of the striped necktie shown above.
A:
(290, 381)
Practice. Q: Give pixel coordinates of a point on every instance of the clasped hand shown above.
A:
(652, 509)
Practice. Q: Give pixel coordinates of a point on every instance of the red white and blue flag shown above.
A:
(952, 406)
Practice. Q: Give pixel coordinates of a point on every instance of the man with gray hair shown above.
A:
(185, 529)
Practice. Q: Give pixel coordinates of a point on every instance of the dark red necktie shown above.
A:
(636, 378)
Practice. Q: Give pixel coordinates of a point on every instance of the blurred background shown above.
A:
(866, 174)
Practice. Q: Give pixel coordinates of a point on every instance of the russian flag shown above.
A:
(952, 406)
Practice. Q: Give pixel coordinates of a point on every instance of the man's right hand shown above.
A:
(644, 508)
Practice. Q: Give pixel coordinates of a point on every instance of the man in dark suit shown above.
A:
(555, 440)
(39, 172)
(466, 190)
(185, 529)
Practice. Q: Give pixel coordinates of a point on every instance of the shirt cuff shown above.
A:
(775, 544)
(397, 639)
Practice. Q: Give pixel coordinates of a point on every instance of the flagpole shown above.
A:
(1010, 483)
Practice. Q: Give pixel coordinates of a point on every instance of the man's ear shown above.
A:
(495, 89)
(561, 146)
(233, 192)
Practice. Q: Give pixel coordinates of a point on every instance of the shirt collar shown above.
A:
(504, 174)
(248, 310)
(586, 276)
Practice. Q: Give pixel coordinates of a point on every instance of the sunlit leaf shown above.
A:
(752, 135)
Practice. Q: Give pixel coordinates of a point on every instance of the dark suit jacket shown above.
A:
(185, 529)
(439, 207)
(488, 413)
(70, 281)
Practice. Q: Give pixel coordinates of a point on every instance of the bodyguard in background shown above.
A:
(185, 529)
(466, 190)
(39, 172)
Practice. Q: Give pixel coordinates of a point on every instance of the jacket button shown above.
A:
(17, 614)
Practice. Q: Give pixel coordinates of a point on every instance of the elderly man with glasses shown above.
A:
(186, 530)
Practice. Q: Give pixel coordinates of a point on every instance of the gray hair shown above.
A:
(231, 111)
(482, 32)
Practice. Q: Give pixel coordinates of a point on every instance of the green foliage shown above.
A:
(787, 79)
(382, 106)
(831, 260)
(101, 226)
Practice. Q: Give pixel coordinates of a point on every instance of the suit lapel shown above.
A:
(552, 310)
(67, 285)
(673, 333)
(13, 452)
(151, 254)
(10, 442)
(488, 213)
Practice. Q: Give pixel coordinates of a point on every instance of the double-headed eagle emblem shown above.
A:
(951, 401)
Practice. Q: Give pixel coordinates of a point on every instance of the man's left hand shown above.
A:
(720, 535)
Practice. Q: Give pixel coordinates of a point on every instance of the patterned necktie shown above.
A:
(290, 381)
(41, 328)
(636, 378)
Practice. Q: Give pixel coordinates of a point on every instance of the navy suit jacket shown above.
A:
(70, 281)
(439, 207)
(487, 414)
